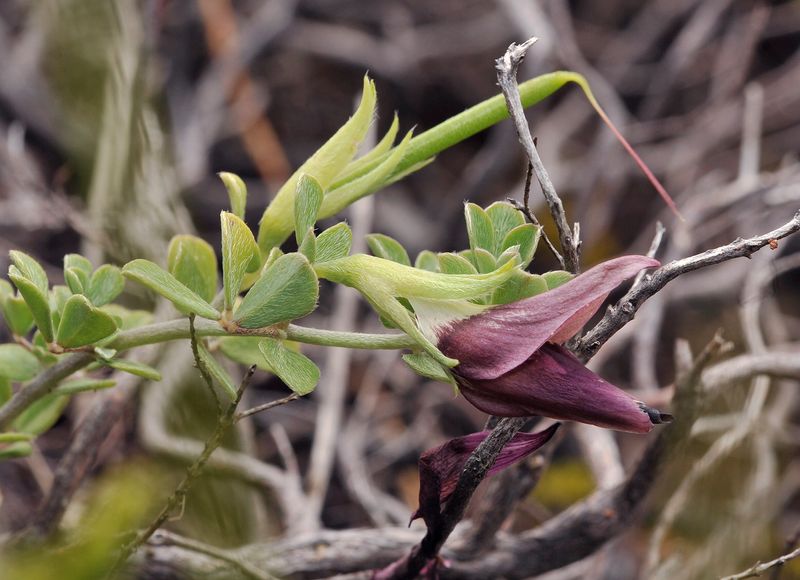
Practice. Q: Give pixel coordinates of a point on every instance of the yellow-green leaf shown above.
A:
(162, 282)
(298, 371)
(194, 264)
(82, 324)
(240, 255)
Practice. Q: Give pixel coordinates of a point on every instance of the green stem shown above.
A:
(472, 121)
(179, 329)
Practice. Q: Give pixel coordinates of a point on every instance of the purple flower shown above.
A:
(511, 363)
(440, 467)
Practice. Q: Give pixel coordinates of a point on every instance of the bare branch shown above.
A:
(760, 568)
(623, 312)
(507, 67)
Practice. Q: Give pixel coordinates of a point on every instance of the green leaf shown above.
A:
(360, 166)
(388, 249)
(37, 302)
(287, 290)
(17, 363)
(134, 368)
(334, 243)
(298, 371)
(307, 201)
(505, 217)
(308, 247)
(483, 261)
(77, 280)
(237, 192)
(450, 263)
(82, 324)
(427, 260)
(15, 437)
(526, 237)
(194, 264)
(5, 390)
(423, 364)
(58, 300)
(30, 269)
(17, 315)
(520, 285)
(244, 350)
(479, 228)
(78, 262)
(127, 319)
(556, 278)
(219, 374)
(340, 197)
(162, 282)
(16, 450)
(80, 385)
(41, 415)
(106, 284)
(240, 255)
(328, 162)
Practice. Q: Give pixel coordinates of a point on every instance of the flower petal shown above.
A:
(499, 339)
(553, 383)
(440, 467)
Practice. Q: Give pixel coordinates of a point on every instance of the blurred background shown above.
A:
(115, 117)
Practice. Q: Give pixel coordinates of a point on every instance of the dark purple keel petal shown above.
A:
(440, 467)
(503, 337)
(553, 383)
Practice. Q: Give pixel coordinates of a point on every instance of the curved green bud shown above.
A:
(325, 165)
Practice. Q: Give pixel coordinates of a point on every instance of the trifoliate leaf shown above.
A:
(30, 269)
(334, 243)
(520, 285)
(298, 371)
(450, 263)
(82, 324)
(388, 249)
(308, 247)
(162, 282)
(17, 315)
(194, 264)
(526, 237)
(105, 285)
(505, 217)
(287, 290)
(17, 363)
(240, 255)
(479, 228)
(423, 364)
(41, 415)
(427, 260)
(37, 301)
(307, 201)
(134, 368)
